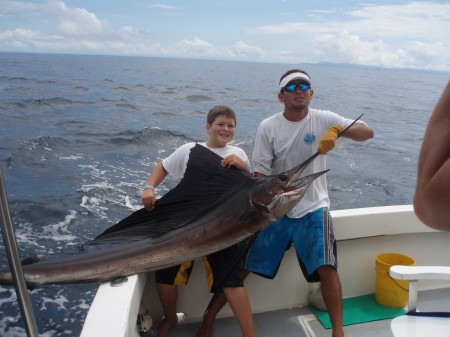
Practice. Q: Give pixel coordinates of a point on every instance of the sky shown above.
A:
(392, 34)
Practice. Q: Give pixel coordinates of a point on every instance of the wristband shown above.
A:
(148, 186)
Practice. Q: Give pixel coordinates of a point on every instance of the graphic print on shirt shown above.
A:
(310, 138)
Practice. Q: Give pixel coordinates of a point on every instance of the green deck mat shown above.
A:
(360, 309)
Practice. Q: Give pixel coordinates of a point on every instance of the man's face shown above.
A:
(299, 98)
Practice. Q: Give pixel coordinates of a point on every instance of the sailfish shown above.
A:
(210, 209)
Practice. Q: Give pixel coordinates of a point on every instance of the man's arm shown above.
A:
(359, 132)
(432, 196)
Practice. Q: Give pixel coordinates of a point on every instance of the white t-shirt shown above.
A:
(280, 145)
(176, 163)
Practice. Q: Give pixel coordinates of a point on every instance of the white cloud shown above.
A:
(76, 21)
(419, 20)
(163, 6)
(66, 29)
(350, 48)
(195, 43)
(409, 35)
(16, 8)
(19, 34)
(404, 35)
(242, 49)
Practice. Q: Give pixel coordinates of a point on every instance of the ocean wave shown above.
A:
(199, 98)
(150, 136)
(52, 101)
(122, 89)
(26, 79)
(128, 106)
(85, 148)
(35, 152)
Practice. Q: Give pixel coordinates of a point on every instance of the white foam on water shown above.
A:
(26, 237)
(7, 298)
(100, 185)
(60, 230)
(73, 157)
(128, 204)
(15, 331)
(84, 305)
(59, 300)
(7, 322)
(94, 170)
(94, 205)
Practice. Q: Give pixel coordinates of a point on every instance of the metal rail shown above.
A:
(12, 252)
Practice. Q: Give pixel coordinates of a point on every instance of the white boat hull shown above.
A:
(362, 234)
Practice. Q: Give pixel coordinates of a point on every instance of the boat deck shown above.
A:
(301, 322)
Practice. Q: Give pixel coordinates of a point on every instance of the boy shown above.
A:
(220, 126)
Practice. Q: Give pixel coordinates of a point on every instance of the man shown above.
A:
(282, 141)
(432, 196)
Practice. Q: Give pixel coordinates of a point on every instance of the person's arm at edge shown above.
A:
(156, 177)
(432, 195)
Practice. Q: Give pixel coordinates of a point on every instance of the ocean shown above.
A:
(80, 134)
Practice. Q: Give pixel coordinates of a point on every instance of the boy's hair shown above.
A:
(220, 110)
(293, 71)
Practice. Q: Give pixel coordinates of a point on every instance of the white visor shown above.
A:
(292, 77)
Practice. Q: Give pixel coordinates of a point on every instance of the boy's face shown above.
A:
(221, 131)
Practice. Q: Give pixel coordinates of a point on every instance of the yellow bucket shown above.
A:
(391, 292)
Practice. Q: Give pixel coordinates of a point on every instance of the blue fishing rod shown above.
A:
(12, 252)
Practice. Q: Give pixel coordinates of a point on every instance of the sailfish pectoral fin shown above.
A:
(261, 207)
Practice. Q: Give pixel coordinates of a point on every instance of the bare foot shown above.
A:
(166, 324)
(205, 330)
(204, 333)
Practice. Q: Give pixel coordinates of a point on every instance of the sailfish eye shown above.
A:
(283, 177)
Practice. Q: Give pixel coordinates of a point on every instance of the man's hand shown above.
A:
(328, 140)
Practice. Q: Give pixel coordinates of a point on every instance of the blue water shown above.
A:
(79, 135)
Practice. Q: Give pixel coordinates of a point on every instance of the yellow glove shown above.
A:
(328, 139)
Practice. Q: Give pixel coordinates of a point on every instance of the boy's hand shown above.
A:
(234, 160)
(148, 199)
(328, 140)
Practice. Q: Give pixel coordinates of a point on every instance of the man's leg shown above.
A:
(332, 295)
(314, 241)
(168, 298)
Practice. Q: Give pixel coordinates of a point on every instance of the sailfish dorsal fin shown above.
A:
(203, 183)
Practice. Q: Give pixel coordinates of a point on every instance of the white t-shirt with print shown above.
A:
(280, 145)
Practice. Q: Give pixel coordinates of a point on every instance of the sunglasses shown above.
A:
(293, 87)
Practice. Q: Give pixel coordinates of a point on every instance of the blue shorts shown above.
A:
(313, 238)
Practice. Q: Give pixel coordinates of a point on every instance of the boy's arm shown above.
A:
(432, 196)
(156, 177)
